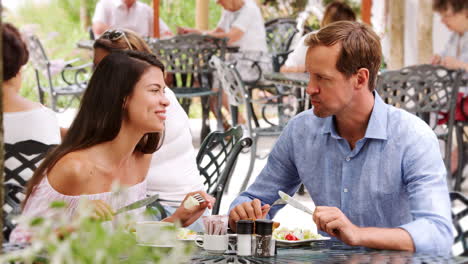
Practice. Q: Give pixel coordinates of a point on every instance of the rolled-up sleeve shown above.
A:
(425, 179)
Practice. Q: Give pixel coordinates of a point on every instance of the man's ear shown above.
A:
(362, 79)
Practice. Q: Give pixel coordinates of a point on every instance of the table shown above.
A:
(329, 252)
(291, 84)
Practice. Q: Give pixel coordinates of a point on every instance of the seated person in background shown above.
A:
(111, 140)
(454, 15)
(374, 171)
(242, 23)
(173, 170)
(127, 14)
(22, 119)
(335, 11)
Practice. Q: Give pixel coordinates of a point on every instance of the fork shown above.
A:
(278, 202)
(199, 198)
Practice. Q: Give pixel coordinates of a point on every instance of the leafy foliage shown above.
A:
(84, 240)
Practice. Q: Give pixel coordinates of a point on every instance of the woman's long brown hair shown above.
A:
(101, 111)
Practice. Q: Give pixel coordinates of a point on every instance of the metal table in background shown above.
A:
(291, 81)
(329, 252)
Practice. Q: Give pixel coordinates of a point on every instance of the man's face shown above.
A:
(228, 4)
(331, 93)
(457, 22)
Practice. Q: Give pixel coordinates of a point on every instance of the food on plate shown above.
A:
(185, 233)
(191, 202)
(296, 234)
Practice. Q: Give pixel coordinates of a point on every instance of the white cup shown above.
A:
(155, 233)
(213, 244)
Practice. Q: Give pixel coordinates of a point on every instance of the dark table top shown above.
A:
(329, 252)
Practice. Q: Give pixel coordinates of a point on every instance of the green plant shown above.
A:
(84, 240)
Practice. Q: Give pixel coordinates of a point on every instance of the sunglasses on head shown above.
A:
(114, 35)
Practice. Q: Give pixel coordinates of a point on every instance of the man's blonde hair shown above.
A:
(360, 47)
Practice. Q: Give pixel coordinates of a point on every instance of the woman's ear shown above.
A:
(124, 105)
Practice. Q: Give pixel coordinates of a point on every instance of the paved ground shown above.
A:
(288, 216)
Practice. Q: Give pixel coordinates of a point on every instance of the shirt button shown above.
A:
(348, 158)
(345, 190)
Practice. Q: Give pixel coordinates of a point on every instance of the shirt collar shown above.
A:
(377, 127)
(121, 4)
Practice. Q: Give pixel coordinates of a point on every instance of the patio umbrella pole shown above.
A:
(156, 18)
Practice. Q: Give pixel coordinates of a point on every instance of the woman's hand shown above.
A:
(188, 216)
(102, 211)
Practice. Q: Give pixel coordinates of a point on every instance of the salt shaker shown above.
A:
(244, 237)
(263, 238)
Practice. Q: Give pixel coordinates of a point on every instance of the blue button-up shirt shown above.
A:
(394, 177)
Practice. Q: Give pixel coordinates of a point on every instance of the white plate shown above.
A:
(303, 242)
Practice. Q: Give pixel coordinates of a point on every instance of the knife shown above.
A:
(137, 204)
(295, 203)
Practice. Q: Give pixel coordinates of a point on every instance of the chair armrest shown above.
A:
(77, 72)
(279, 59)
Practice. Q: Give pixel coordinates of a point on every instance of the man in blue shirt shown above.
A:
(374, 171)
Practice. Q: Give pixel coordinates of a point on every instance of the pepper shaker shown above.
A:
(244, 237)
(263, 238)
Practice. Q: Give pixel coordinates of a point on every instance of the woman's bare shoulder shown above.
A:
(70, 173)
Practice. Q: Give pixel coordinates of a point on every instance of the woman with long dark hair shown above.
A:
(173, 169)
(111, 140)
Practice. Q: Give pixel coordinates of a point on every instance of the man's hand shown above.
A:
(335, 223)
(187, 30)
(248, 210)
(436, 59)
(451, 63)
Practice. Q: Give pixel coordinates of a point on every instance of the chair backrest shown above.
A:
(459, 218)
(21, 160)
(37, 55)
(420, 89)
(275, 104)
(216, 160)
(187, 57)
(280, 33)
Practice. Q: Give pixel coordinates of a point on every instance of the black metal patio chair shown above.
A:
(280, 33)
(217, 159)
(275, 110)
(186, 57)
(459, 218)
(73, 79)
(21, 160)
(425, 90)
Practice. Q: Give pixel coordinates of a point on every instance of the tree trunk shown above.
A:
(425, 17)
(397, 23)
(201, 16)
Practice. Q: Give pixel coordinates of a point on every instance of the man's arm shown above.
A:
(424, 175)
(99, 28)
(100, 24)
(335, 223)
(234, 35)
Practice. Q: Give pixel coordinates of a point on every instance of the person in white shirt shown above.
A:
(126, 14)
(22, 118)
(335, 11)
(243, 25)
